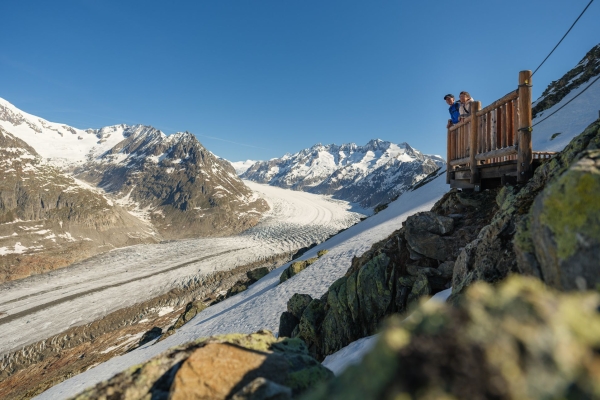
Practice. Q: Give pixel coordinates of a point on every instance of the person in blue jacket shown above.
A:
(454, 110)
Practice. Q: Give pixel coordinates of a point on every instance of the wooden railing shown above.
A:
(497, 133)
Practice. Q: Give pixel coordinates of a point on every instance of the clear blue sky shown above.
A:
(256, 79)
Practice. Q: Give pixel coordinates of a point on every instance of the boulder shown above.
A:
(257, 274)
(420, 288)
(287, 323)
(295, 268)
(321, 253)
(310, 322)
(150, 335)
(219, 367)
(517, 340)
(298, 303)
(557, 239)
(263, 389)
(565, 226)
(191, 310)
(424, 235)
(216, 370)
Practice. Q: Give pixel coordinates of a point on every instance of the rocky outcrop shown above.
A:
(518, 340)
(220, 367)
(556, 239)
(583, 72)
(390, 277)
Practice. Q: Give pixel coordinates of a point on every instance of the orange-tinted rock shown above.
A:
(218, 370)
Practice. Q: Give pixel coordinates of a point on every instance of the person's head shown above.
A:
(464, 97)
(449, 99)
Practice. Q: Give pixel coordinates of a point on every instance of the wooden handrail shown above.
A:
(509, 97)
(496, 133)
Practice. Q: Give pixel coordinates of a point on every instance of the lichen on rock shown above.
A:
(218, 367)
(518, 340)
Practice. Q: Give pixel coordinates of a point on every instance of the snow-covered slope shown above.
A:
(242, 166)
(369, 175)
(260, 306)
(554, 133)
(64, 146)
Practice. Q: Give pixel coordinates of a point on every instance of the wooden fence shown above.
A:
(498, 133)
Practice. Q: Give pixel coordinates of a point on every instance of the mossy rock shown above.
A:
(516, 340)
(154, 378)
(321, 253)
(191, 310)
(298, 303)
(257, 274)
(565, 226)
(295, 268)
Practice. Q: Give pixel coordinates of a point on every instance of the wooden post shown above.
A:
(448, 155)
(475, 107)
(524, 155)
(494, 140)
(516, 121)
(504, 131)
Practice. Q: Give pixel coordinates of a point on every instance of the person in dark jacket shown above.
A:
(453, 110)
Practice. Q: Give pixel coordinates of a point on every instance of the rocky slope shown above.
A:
(581, 74)
(67, 193)
(369, 175)
(518, 340)
(415, 261)
(49, 219)
(174, 183)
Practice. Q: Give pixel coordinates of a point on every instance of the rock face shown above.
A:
(389, 278)
(369, 175)
(558, 240)
(49, 220)
(175, 183)
(221, 367)
(546, 228)
(516, 341)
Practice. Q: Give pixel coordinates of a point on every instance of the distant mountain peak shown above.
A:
(368, 174)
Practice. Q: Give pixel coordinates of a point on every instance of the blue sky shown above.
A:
(257, 79)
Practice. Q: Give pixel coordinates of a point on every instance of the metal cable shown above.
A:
(561, 107)
(586, 7)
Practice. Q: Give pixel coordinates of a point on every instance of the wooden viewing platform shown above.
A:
(492, 146)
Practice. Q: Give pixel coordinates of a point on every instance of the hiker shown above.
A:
(465, 105)
(453, 110)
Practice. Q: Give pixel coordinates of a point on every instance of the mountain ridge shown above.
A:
(368, 175)
(134, 177)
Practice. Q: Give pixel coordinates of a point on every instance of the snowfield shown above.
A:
(40, 306)
(260, 306)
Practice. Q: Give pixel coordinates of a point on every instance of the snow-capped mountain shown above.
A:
(49, 219)
(175, 183)
(369, 175)
(150, 185)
